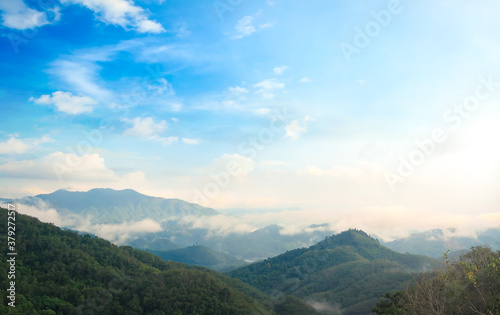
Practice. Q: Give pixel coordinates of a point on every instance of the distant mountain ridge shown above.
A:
(116, 206)
(103, 206)
(201, 256)
(435, 242)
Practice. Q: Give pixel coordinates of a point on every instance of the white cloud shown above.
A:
(59, 165)
(280, 70)
(121, 12)
(263, 111)
(359, 170)
(43, 212)
(19, 146)
(13, 145)
(245, 26)
(116, 233)
(191, 141)
(294, 130)
(266, 87)
(237, 90)
(305, 80)
(145, 127)
(235, 164)
(66, 102)
(120, 233)
(162, 87)
(217, 224)
(16, 15)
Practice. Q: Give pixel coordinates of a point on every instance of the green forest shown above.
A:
(62, 272)
(468, 285)
(347, 271)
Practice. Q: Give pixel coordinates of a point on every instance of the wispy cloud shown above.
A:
(245, 26)
(191, 141)
(267, 87)
(17, 15)
(294, 130)
(145, 127)
(280, 70)
(81, 75)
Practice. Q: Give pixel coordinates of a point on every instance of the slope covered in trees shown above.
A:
(61, 272)
(470, 285)
(345, 272)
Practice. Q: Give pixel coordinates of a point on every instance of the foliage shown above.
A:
(470, 285)
(347, 271)
(62, 272)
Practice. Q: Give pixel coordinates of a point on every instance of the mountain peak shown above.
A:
(350, 237)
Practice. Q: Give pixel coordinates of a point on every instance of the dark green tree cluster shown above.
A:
(61, 272)
(470, 285)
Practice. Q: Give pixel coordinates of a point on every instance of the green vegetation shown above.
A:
(347, 271)
(61, 272)
(470, 285)
(201, 256)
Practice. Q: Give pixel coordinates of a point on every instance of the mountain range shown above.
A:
(173, 219)
(176, 229)
(435, 242)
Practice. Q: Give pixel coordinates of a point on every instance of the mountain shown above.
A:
(262, 243)
(343, 273)
(62, 272)
(201, 256)
(95, 210)
(435, 242)
(116, 206)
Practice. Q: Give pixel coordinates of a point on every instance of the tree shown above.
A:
(470, 285)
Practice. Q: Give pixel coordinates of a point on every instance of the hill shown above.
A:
(201, 256)
(62, 272)
(116, 206)
(343, 273)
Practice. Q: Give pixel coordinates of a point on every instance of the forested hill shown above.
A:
(343, 273)
(61, 272)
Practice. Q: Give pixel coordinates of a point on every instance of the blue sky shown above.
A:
(317, 109)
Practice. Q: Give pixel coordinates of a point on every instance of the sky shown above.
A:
(380, 115)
